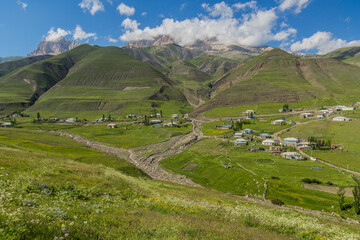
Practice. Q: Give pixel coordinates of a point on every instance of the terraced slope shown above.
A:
(277, 76)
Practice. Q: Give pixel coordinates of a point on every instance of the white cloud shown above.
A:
(53, 35)
(112, 40)
(219, 10)
(130, 24)
(324, 42)
(80, 35)
(183, 6)
(93, 6)
(125, 10)
(253, 29)
(22, 4)
(144, 14)
(239, 6)
(297, 4)
(110, 2)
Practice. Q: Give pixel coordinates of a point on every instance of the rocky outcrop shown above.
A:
(55, 47)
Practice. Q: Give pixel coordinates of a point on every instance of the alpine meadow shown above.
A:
(180, 120)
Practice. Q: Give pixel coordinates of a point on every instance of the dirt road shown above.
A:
(150, 164)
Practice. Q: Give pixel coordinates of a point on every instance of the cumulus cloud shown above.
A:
(239, 6)
(219, 10)
(125, 10)
(144, 14)
(324, 42)
(93, 6)
(53, 34)
(253, 29)
(297, 4)
(80, 34)
(130, 24)
(22, 4)
(112, 40)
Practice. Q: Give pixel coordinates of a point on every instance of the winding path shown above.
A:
(150, 164)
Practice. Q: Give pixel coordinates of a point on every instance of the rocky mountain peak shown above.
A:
(54, 47)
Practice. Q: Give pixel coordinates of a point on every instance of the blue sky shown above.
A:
(297, 25)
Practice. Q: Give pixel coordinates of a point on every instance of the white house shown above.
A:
(155, 121)
(7, 124)
(268, 142)
(175, 116)
(239, 135)
(277, 122)
(291, 140)
(71, 120)
(158, 115)
(292, 155)
(306, 115)
(241, 141)
(341, 119)
(170, 124)
(249, 112)
(343, 108)
(112, 125)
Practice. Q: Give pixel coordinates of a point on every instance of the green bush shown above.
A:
(277, 201)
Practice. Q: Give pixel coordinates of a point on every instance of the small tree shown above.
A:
(356, 193)
(341, 194)
(103, 117)
(13, 121)
(38, 116)
(146, 121)
(161, 113)
(109, 117)
(285, 107)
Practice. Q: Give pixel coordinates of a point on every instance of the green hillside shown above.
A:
(8, 67)
(279, 77)
(108, 80)
(194, 70)
(350, 55)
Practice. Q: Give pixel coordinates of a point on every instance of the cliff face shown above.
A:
(56, 47)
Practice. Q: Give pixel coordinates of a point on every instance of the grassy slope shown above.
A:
(50, 194)
(8, 67)
(213, 157)
(276, 76)
(345, 133)
(21, 87)
(350, 55)
(108, 80)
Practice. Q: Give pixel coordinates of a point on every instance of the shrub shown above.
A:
(273, 177)
(277, 201)
(310, 181)
(329, 183)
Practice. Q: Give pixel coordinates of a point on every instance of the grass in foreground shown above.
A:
(50, 196)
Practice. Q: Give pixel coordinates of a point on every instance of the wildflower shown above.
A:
(72, 223)
(75, 217)
(85, 222)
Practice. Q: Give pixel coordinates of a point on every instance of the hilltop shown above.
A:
(277, 76)
(350, 55)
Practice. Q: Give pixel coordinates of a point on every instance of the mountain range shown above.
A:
(149, 76)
